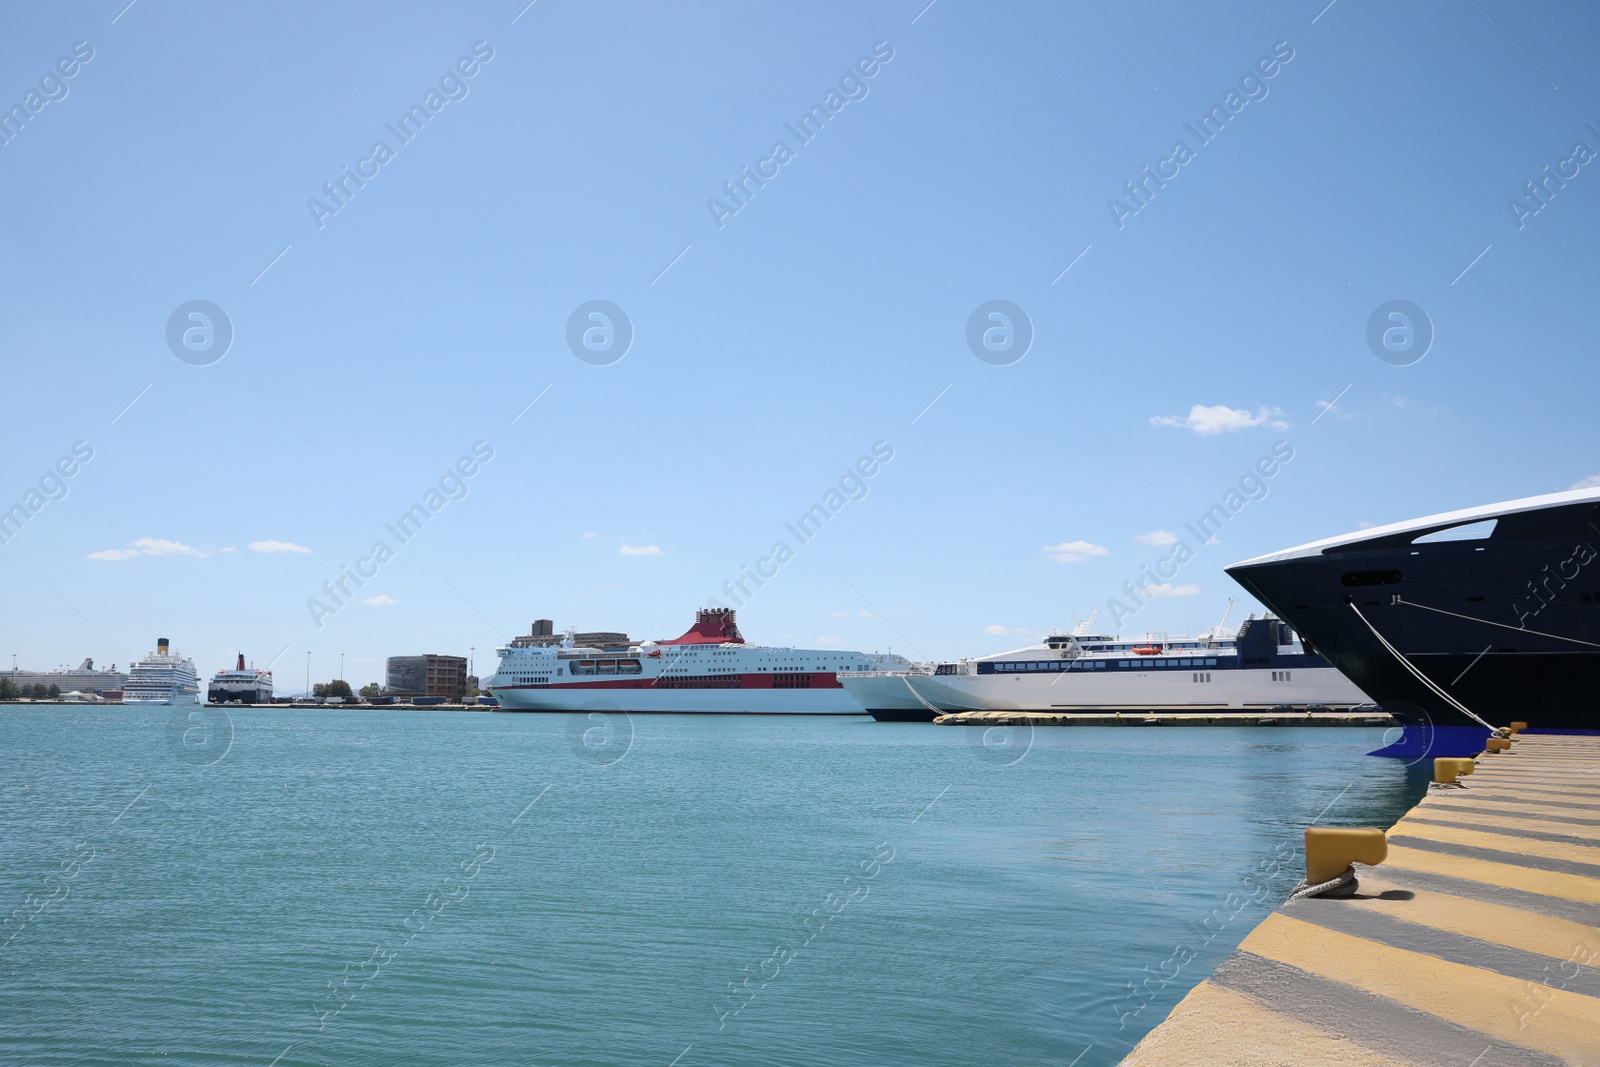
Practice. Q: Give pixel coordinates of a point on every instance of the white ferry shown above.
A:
(1264, 668)
(241, 685)
(162, 678)
(708, 669)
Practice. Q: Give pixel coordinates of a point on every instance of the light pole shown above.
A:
(308, 674)
(341, 666)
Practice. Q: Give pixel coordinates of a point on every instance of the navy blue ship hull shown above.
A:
(1506, 626)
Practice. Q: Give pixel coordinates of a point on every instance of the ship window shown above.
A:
(1353, 579)
(1472, 531)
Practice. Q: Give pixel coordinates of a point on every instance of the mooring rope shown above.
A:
(1423, 678)
(1346, 880)
(1398, 599)
(907, 679)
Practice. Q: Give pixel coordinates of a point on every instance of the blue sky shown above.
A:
(772, 347)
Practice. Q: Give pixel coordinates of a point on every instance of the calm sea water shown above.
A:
(398, 887)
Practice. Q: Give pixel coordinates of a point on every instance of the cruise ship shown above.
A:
(1456, 623)
(241, 685)
(162, 678)
(1264, 668)
(709, 668)
(101, 681)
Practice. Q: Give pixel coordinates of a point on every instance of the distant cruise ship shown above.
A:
(708, 669)
(241, 685)
(1264, 668)
(162, 678)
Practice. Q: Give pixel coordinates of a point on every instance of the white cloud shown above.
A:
(589, 536)
(1165, 589)
(149, 546)
(640, 550)
(379, 601)
(1075, 551)
(277, 546)
(1590, 482)
(1157, 537)
(1325, 406)
(1222, 419)
(1000, 631)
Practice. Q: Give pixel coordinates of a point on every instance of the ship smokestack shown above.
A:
(241, 662)
(161, 646)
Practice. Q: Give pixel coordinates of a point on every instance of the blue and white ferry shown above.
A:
(1264, 667)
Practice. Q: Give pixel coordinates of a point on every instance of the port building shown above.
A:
(426, 676)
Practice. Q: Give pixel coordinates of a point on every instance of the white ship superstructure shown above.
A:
(708, 669)
(241, 685)
(1265, 667)
(162, 678)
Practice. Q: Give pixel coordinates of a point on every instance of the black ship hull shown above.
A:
(903, 714)
(238, 696)
(1444, 633)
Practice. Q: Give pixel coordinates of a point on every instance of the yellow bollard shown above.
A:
(1518, 727)
(1497, 744)
(1330, 851)
(1446, 769)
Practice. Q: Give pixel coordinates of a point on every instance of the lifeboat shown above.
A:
(1147, 650)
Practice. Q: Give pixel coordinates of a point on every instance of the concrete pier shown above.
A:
(1475, 944)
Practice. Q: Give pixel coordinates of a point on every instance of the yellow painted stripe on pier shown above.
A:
(1553, 1021)
(1500, 924)
(1214, 1026)
(1527, 879)
(1487, 838)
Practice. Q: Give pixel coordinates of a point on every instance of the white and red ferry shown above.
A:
(708, 669)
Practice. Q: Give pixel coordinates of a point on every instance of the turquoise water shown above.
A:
(373, 887)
